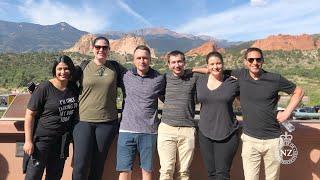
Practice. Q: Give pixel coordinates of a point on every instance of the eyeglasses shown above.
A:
(257, 59)
(97, 47)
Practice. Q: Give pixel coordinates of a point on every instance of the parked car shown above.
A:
(317, 108)
(305, 113)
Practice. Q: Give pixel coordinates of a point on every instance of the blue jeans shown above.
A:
(131, 143)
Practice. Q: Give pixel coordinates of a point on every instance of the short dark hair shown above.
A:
(253, 49)
(176, 53)
(214, 54)
(65, 59)
(100, 38)
(142, 47)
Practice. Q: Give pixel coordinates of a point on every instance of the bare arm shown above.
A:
(203, 70)
(294, 101)
(28, 131)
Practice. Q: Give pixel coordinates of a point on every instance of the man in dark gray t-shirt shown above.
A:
(176, 132)
(258, 97)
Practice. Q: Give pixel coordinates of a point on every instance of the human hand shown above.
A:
(283, 116)
(28, 148)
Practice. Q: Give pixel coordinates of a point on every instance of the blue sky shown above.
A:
(235, 20)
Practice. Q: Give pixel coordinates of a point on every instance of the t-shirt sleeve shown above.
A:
(236, 73)
(163, 85)
(286, 85)
(122, 72)
(37, 100)
(237, 88)
(122, 69)
(197, 75)
(74, 88)
(77, 74)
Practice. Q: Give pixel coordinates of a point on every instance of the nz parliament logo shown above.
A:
(288, 152)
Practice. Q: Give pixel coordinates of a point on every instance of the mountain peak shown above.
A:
(204, 49)
(154, 31)
(63, 24)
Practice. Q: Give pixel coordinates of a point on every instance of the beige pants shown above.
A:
(176, 149)
(253, 150)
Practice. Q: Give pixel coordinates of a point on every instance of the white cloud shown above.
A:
(48, 12)
(258, 2)
(132, 12)
(252, 22)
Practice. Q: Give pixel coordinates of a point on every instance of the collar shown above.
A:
(149, 73)
(186, 73)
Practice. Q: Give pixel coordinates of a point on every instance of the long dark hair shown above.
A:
(67, 60)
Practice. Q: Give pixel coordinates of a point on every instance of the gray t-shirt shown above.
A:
(179, 104)
(217, 119)
(140, 113)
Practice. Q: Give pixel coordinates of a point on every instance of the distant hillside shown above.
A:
(240, 46)
(168, 43)
(28, 37)
(165, 40)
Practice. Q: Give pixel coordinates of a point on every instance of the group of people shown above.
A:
(79, 103)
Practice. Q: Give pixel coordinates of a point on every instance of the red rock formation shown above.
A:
(286, 42)
(318, 43)
(125, 45)
(204, 49)
(84, 45)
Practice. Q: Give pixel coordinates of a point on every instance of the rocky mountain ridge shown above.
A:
(204, 49)
(287, 42)
(123, 46)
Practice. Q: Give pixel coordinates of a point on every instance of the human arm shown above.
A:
(28, 146)
(296, 97)
(202, 70)
(35, 106)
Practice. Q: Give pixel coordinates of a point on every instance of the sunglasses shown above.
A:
(97, 47)
(101, 71)
(34, 161)
(257, 59)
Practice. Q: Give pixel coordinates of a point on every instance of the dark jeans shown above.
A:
(218, 155)
(91, 144)
(46, 155)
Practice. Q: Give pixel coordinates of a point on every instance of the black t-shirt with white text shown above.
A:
(56, 110)
(258, 99)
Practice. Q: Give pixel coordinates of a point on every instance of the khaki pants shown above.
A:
(176, 148)
(253, 150)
